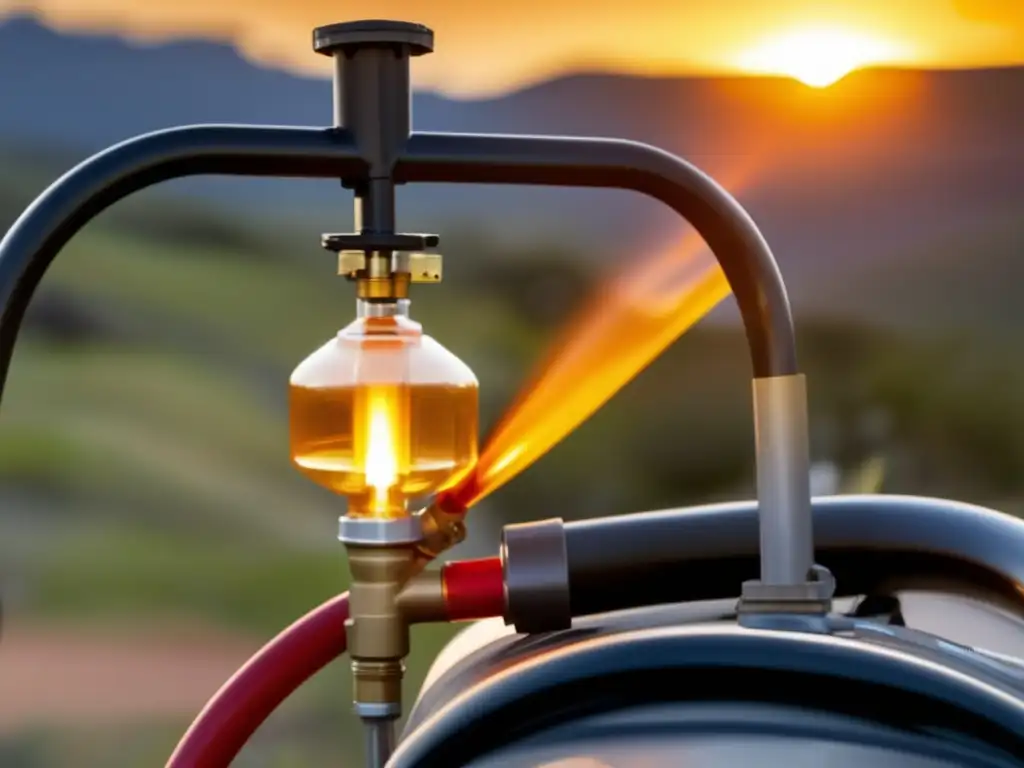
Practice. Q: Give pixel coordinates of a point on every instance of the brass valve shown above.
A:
(386, 276)
(384, 265)
(382, 413)
(421, 267)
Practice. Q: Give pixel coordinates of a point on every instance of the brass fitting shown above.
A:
(383, 288)
(421, 267)
(378, 638)
(384, 275)
(422, 599)
(386, 596)
(442, 530)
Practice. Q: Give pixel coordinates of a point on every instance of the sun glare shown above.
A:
(817, 57)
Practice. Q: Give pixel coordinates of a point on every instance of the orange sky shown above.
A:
(490, 45)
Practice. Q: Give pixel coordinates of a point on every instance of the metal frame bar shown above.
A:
(39, 234)
(616, 164)
(72, 201)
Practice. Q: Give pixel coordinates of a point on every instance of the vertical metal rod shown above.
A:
(783, 480)
(379, 740)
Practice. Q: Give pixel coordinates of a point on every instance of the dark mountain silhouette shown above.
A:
(880, 164)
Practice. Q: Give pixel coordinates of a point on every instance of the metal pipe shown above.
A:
(780, 400)
(615, 164)
(72, 201)
(783, 479)
(379, 739)
(370, 147)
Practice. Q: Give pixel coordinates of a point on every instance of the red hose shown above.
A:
(235, 712)
(474, 589)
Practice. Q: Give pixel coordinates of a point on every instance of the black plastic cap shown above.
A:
(373, 33)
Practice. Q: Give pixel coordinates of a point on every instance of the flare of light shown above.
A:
(631, 320)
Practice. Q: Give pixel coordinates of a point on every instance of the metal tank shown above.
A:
(692, 680)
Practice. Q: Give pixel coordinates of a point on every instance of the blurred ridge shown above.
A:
(910, 151)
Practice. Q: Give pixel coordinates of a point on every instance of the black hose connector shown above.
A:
(536, 569)
(869, 544)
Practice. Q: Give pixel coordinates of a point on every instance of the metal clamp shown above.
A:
(811, 597)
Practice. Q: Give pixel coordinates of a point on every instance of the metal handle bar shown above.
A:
(72, 201)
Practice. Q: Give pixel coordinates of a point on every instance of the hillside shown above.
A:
(967, 284)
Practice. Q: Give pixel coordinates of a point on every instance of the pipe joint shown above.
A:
(814, 596)
(440, 530)
(535, 563)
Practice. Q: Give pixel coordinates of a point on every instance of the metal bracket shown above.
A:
(421, 267)
(402, 252)
(378, 241)
(813, 597)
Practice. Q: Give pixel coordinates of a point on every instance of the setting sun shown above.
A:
(817, 57)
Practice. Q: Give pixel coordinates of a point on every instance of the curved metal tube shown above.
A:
(51, 221)
(870, 543)
(72, 201)
(616, 164)
(780, 398)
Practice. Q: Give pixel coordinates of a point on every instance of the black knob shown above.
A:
(417, 39)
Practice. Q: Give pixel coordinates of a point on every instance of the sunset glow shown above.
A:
(490, 48)
(818, 56)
